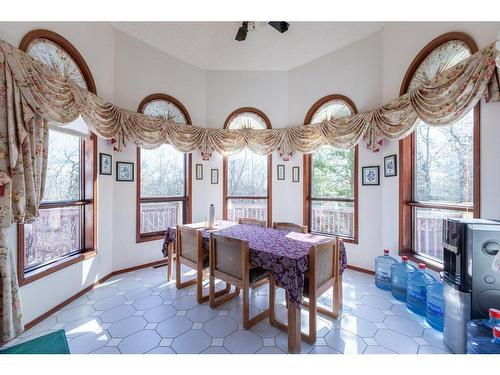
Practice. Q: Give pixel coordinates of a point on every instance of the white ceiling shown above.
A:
(211, 45)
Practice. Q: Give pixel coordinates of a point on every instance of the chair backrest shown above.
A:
(190, 242)
(290, 227)
(229, 255)
(252, 221)
(322, 262)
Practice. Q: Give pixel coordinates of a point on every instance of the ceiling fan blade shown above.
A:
(242, 32)
(281, 26)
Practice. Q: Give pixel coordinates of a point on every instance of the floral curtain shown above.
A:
(439, 101)
(23, 162)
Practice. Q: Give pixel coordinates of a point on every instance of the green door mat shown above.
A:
(53, 343)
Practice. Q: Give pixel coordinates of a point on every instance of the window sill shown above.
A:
(150, 237)
(35, 275)
(354, 241)
(429, 263)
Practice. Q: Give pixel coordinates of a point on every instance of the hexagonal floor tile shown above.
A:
(43, 326)
(171, 292)
(159, 313)
(138, 293)
(185, 303)
(220, 326)
(376, 349)
(401, 310)
(201, 313)
(358, 326)
(146, 303)
(140, 342)
(118, 313)
(265, 330)
(161, 350)
(127, 326)
(404, 326)
(282, 343)
(128, 285)
(243, 342)
(75, 313)
(368, 313)
(109, 303)
(324, 350)
(345, 342)
(191, 342)
(216, 350)
(377, 302)
(237, 312)
(396, 342)
(107, 350)
(270, 350)
(434, 338)
(101, 292)
(82, 326)
(429, 349)
(83, 300)
(88, 342)
(174, 326)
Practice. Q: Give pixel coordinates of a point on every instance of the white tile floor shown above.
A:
(139, 312)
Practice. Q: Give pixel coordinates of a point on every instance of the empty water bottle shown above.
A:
(399, 275)
(416, 292)
(383, 270)
(485, 345)
(435, 305)
(483, 327)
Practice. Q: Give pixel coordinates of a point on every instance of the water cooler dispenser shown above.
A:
(471, 280)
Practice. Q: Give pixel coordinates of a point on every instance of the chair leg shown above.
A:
(179, 284)
(247, 321)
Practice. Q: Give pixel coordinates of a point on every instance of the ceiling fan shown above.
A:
(247, 26)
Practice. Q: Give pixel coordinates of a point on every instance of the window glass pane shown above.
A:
(56, 59)
(330, 109)
(162, 172)
(444, 162)
(63, 168)
(332, 173)
(247, 174)
(156, 217)
(247, 120)
(254, 208)
(54, 234)
(428, 236)
(333, 218)
(164, 109)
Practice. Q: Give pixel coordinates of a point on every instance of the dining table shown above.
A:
(284, 254)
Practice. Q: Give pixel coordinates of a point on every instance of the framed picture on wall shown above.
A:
(199, 171)
(390, 166)
(281, 172)
(124, 171)
(214, 176)
(371, 175)
(105, 164)
(296, 174)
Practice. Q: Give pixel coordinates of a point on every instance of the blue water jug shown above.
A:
(416, 291)
(485, 345)
(483, 327)
(383, 270)
(435, 305)
(399, 274)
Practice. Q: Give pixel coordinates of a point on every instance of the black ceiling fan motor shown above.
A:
(281, 26)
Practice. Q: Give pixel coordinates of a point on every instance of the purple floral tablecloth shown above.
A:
(283, 253)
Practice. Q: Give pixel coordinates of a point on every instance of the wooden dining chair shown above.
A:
(190, 252)
(252, 221)
(323, 274)
(229, 262)
(290, 227)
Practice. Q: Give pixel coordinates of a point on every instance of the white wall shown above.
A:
(369, 72)
(353, 71)
(141, 70)
(95, 43)
(401, 43)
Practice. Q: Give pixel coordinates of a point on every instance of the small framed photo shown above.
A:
(371, 175)
(214, 176)
(105, 164)
(199, 171)
(390, 166)
(296, 174)
(281, 172)
(124, 171)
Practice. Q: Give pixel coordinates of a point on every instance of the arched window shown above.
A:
(246, 175)
(64, 232)
(439, 164)
(163, 176)
(331, 177)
